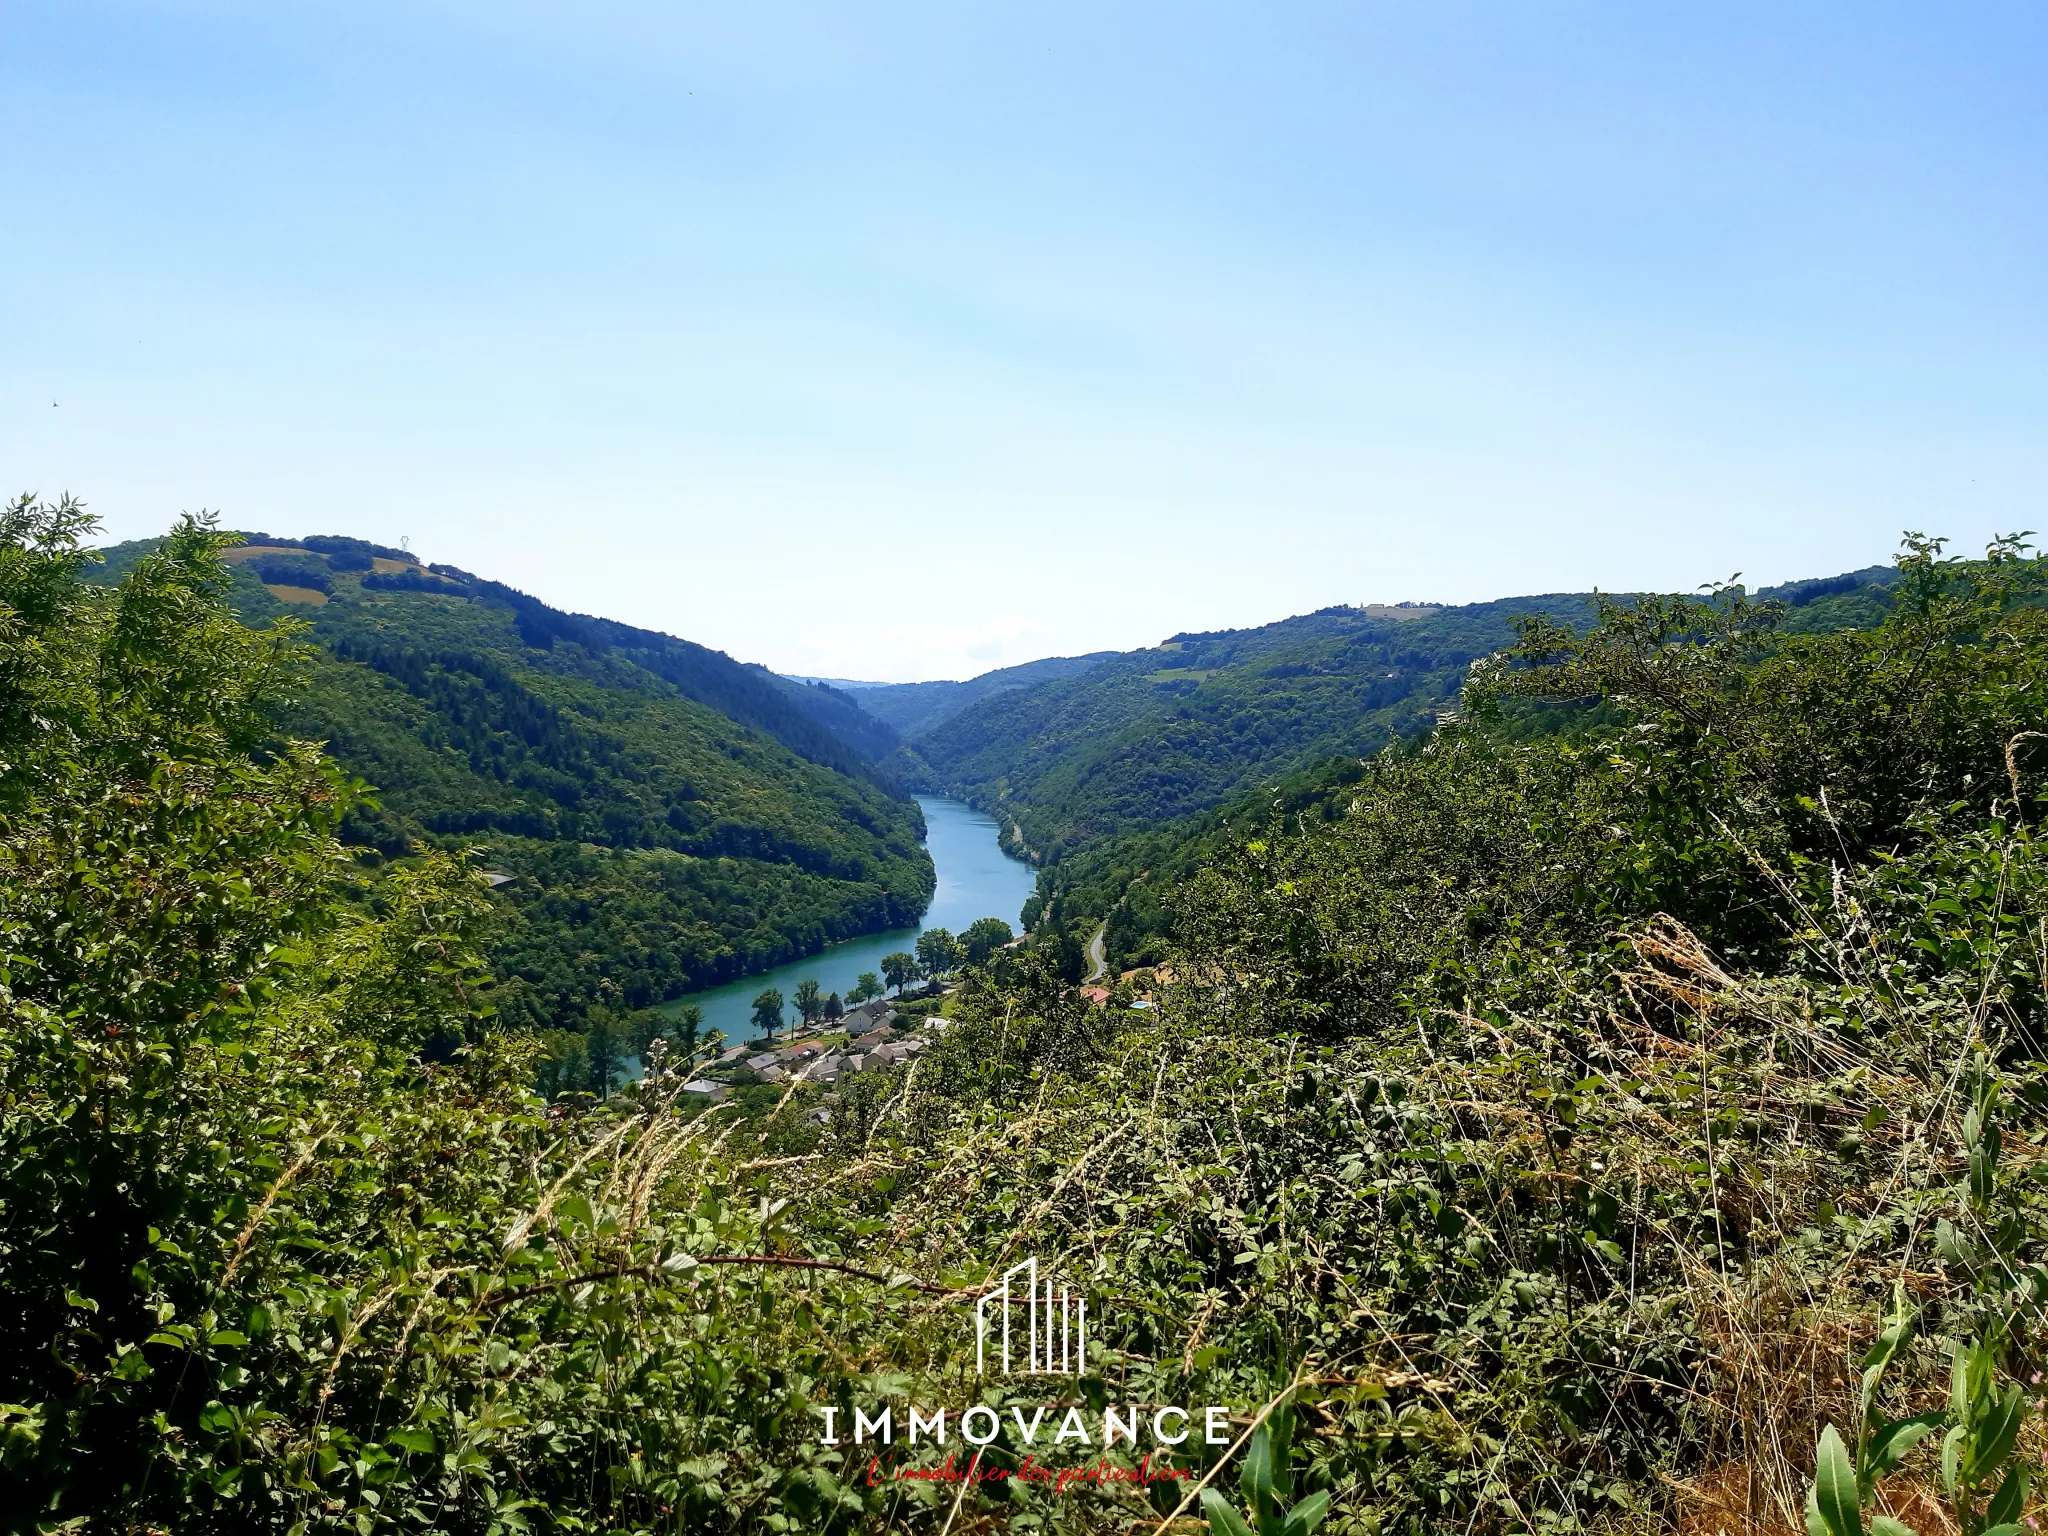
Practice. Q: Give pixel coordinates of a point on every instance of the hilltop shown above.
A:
(1150, 735)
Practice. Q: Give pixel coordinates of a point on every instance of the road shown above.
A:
(1097, 961)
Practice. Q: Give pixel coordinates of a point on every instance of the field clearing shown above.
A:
(287, 594)
(1400, 611)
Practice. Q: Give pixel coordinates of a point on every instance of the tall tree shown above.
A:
(834, 1009)
(807, 999)
(689, 1022)
(901, 969)
(679, 1029)
(768, 1012)
(984, 936)
(868, 986)
(937, 951)
(560, 1066)
(604, 1053)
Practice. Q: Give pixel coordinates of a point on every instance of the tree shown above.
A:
(602, 1053)
(206, 994)
(679, 1029)
(808, 1003)
(643, 1027)
(768, 1012)
(559, 1068)
(869, 985)
(689, 1020)
(834, 1009)
(984, 936)
(1072, 955)
(900, 968)
(937, 951)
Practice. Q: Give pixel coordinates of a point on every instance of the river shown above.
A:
(976, 879)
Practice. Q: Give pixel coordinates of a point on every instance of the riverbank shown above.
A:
(976, 879)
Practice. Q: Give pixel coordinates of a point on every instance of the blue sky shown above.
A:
(907, 341)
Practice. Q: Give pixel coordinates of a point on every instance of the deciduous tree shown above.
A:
(808, 1003)
(768, 1012)
(901, 969)
(937, 951)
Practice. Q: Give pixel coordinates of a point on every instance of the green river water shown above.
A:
(976, 879)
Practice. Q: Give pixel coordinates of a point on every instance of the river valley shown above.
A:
(976, 879)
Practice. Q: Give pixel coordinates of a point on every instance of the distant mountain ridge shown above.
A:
(1143, 737)
(915, 709)
(840, 713)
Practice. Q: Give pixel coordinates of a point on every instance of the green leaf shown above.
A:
(1886, 1525)
(575, 1211)
(1893, 1339)
(1306, 1515)
(1833, 1508)
(1889, 1443)
(1279, 1463)
(131, 1366)
(1995, 1436)
(1257, 1480)
(2010, 1502)
(418, 1442)
(1222, 1518)
(1889, 1343)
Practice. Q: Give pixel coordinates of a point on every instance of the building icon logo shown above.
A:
(1035, 1330)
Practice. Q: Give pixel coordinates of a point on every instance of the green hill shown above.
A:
(916, 709)
(1151, 735)
(669, 818)
(1126, 779)
(839, 712)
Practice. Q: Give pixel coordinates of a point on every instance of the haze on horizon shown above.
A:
(933, 339)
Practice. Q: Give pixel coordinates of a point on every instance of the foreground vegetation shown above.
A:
(1544, 1140)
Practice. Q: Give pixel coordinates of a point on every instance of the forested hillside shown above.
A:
(915, 709)
(670, 817)
(1123, 781)
(1620, 1131)
(1148, 736)
(1144, 737)
(842, 713)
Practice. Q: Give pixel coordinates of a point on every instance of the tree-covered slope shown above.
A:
(839, 712)
(915, 709)
(670, 817)
(1151, 735)
(1134, 777)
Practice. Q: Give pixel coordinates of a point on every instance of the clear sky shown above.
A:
(901, 341)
